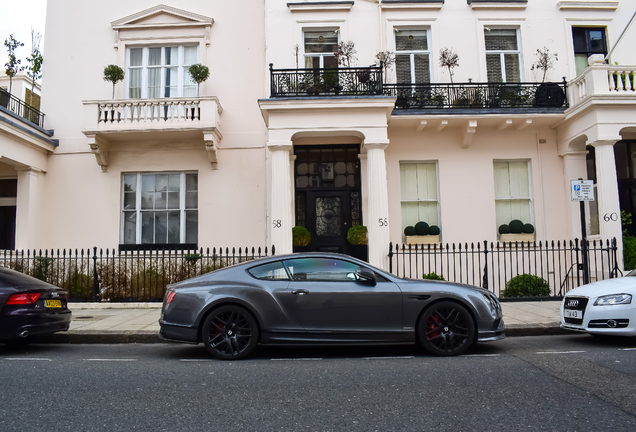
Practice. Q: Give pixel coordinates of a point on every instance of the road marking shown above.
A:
(387, 358)
(295, 359)
(197, 360)
(28, 358)
(481, 355)
(627, 349)
(560, 352)
(112, 360)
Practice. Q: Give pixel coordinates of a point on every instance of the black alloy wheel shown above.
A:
(230, 333)
(446, 329)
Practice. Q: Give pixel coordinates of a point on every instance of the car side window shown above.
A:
(270, 271)
(321, 269)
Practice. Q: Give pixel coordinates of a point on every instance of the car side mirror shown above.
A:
(365, 275)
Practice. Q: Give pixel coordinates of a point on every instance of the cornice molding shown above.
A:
(412, 4)
(587, 5)
(321, 6)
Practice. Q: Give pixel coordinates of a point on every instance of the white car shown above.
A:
(602, 308)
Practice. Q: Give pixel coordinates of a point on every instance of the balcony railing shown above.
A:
(21, 108)
(607, 80)
(368, 81)
(357, 81)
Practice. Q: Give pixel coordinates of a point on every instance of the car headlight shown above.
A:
(493, 303)
(613, 299)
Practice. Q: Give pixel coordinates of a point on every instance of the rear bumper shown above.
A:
(176, 333)
(37, 322)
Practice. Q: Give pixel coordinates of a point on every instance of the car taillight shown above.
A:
(17, 299)
(170, 297)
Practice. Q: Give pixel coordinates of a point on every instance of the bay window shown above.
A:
(158, 72)
(512, 192)
(160, 208)
(419, 198)
(412, 57)
(502, 55)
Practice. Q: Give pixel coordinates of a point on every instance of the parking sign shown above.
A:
(582, 190)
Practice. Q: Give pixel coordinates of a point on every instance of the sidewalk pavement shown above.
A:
(138, 322)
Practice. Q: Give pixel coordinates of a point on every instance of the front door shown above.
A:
(328, 197)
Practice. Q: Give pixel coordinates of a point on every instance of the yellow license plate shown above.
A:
(53, 303)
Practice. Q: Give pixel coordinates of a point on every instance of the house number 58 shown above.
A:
(277, 223)
(383, 222)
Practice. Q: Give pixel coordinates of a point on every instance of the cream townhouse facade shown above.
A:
(280, 135)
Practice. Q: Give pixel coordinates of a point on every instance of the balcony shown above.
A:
(428, 98)
(21, 109)
(604, 84)
(109, 122)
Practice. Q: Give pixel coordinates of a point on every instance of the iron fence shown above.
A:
(105, 275)
(21, 108)
(492, 265)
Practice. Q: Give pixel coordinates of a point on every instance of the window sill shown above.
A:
(183, 247)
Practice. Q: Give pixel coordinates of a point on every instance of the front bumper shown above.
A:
(618, 320)
(497, 333)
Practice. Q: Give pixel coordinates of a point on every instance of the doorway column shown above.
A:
(609, 209)
(377, 219)
(281, 222)
(574, 168)
(26, 208)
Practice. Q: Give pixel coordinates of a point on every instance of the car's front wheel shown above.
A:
(230, 333)
(446, 329)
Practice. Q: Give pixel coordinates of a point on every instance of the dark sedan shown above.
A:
(30, 307)
(316, 298)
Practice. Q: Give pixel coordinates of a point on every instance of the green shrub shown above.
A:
(42, 268)
(526, 285)
(434, 230)
(528, 229)
(78, 284)
(629, 252)
(421, 228)
(504, 229)
(432, 276)
(516, 226)
(357, 235)
(300, 236)
(409, 231)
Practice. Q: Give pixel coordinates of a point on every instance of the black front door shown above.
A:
(329, 221)
(328, 198)
(7, 227)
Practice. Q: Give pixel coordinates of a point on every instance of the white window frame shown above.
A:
(435, 162)
(181, 67)
(502, 53)
(139, 211)
(320, 56)
(529, 198)
(412, 53)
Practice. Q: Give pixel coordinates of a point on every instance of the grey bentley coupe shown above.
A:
(322, 298)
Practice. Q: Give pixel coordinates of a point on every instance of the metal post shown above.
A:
(485, 278)
(95, 276)
(586, 277)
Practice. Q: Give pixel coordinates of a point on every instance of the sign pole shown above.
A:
(583, 190)
(586, 277)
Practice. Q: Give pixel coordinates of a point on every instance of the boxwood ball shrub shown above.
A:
(526, 285)
(516, 226)
(433, 230)
(300, 236)
(421, 228)
(357, 235)
(409, 231)
(432, 276)
(504, 229)
(528, 229)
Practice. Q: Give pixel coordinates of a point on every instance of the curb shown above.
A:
(150, 337)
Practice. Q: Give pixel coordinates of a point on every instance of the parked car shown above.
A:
(30, 307)
(320, 298)
(602, 308)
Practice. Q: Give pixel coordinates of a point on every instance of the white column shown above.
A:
(281, 222)
(377, 219)
(574, 168)
(26, 209)
(609, 209)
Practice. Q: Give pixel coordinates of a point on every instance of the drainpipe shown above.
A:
(608, 56)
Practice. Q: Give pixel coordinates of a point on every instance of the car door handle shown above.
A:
(300, 292)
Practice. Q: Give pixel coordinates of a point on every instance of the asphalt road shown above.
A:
(547, 383)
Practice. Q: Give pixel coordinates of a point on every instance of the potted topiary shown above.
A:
(516, 231)
(301, 237)
(422, 233)
(358, 238)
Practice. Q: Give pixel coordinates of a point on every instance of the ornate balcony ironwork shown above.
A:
(20, 108)
(368, 81)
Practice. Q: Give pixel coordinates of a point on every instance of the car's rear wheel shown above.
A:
(230, 333)
(446, 329)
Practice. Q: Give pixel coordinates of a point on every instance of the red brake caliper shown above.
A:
(432, 324)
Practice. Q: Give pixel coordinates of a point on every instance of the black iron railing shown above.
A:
(92, 275)
(492, 265)
(20, 108)
(368, 81)
(356, 81)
